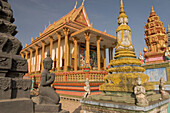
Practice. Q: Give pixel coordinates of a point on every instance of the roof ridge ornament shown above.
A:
(75, 5)
(83, 2)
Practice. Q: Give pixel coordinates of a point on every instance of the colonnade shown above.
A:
(66, 32)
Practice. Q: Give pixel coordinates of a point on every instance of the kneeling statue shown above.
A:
(162, 91)
(139, 91)
(46, 92)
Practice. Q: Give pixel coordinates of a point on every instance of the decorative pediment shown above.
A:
(81, 18)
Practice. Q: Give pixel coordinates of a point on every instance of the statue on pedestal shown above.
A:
(86, 88)
(139, 91)
(46, 92)
(162, 89)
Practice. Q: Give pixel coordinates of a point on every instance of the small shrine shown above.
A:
(155, 38)
(126, 88)
(158, 54)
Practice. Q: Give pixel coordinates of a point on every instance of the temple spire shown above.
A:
(121, 7)
(152, 12)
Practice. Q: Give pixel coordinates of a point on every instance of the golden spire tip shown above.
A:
(121, 7)
(83, 2)
(152, 10)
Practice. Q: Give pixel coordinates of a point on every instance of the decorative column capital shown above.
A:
(58, 34)
(98, 38)
(66, 30)
(36, 47)
(74, 39)
(30, 49)
(87, 35)
(42, 42)
(50, 38)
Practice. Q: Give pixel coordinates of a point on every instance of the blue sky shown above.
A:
(32, 15)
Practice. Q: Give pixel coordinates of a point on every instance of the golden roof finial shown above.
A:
(83, 2)
(121, 7)
(26, 45)
(91, 25)
(49, 23)
(152, 10)
(105, 30)
(32, 39)
(75, 5)
(45, 27)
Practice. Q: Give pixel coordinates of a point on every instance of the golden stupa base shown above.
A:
(125, 82)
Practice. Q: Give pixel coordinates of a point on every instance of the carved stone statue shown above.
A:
(46, 92)
(162, 89)
(14, 90)
(86, 88)
(139, 91)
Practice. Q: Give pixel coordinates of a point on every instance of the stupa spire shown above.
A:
(123, 31)
(152, 12)
(121, 7)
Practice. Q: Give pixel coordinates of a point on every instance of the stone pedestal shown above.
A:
(112, 107)
(22, 105)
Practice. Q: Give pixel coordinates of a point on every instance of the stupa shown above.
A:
(126, 88)
(155, 38)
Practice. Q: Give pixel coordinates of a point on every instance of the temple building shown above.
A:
(156, 57)
(77, 49)
(72, 42)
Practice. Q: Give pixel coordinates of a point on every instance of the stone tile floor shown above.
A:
(71, 106)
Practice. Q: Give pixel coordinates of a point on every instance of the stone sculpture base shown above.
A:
(49, 108)
(111, 107)
(123, 102)
(22, 105)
